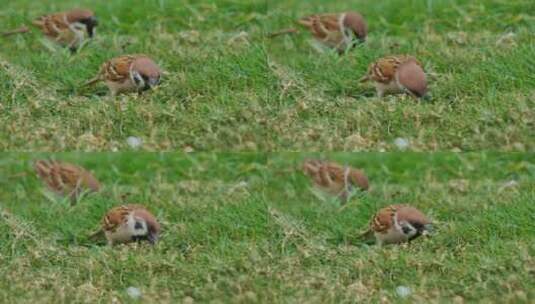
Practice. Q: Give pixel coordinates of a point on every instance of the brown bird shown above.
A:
(68, 29)
(398, 224)
(340, 31)
(66, 179)
(130, 223)
(397, 74)
(128, 73)
(334, 179)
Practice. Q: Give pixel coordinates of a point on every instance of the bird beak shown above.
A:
(428, 230)
(152, 238)
(154, 81)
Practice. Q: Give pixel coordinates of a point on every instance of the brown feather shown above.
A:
(334, 178)
(65, 178)
(152, 223)
(116, 217)
(411, 215)
(355, 22)
(145, 66)
(77, 15)
(384, 69)
(116, 230)
(20, 30)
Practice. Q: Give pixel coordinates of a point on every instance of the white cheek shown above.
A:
(140, 83)
(139, 231)
(124, 232)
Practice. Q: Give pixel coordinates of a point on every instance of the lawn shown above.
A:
(214, 62)
(228, 87)
(246, 228)
(479, 56)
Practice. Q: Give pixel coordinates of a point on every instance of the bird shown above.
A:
(128, 73)
(334, 179)
(66, 179)
(397, 74)
(398, 223)
(68, 29)
(129, 223)
(339, 31)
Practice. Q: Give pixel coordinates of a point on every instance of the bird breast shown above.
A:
(391, 87)
(124, 86)
(391, 236)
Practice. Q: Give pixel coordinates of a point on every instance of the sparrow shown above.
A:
(340, 31)
(68, 29)
(397, 74)
(130, 223)
(334, 179)
(396, 224)
(128, 73)
(66, 179)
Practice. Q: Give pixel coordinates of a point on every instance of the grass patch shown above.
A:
(227, 87)
(247, 228)
(477, 55)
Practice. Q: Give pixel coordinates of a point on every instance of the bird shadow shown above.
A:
(74, 241)
(355, 92)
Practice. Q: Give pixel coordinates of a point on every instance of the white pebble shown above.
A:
(133, 292)
(134, 142)
(403, 291)
(401, 143)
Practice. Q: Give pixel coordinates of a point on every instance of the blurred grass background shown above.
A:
(247, 228)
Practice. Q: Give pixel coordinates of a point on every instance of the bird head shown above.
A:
(145, 73)
(355, 23)
(83, 18)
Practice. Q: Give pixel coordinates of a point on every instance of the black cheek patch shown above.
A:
(147, 85)
(138, 226)
(406, 229)
(419, 227)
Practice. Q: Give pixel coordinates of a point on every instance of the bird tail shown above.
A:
(20, 30)
(92, 81)
(95, 236)
(366, 235)
(283, 32)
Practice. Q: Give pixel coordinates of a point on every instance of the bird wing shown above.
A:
(50, 173)
(115, 217)
(52, 25)
(118, 69)
(383, 219)
(359, 179)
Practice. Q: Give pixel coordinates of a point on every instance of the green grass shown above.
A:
(227, 87)
(479, 55)
(211, 51)
(247, 228)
